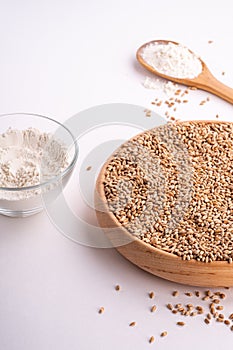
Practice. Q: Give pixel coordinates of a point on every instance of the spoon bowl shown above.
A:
(204, 81)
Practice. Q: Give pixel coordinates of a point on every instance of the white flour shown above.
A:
(168, 87)
(172, 60)
(29, 157)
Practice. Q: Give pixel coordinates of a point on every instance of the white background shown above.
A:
(58, 58)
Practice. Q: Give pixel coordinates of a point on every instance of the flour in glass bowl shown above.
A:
(174, 60)
(27, 158)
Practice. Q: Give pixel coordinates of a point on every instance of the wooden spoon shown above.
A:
(154, 260)
(204, 81)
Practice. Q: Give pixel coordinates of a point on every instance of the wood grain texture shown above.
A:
(205, 81)
(153, 260)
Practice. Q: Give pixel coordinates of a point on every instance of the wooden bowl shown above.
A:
(153, 260)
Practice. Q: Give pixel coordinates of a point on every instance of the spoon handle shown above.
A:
(209, 83)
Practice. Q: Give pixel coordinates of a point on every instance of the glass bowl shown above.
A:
(21, 201)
